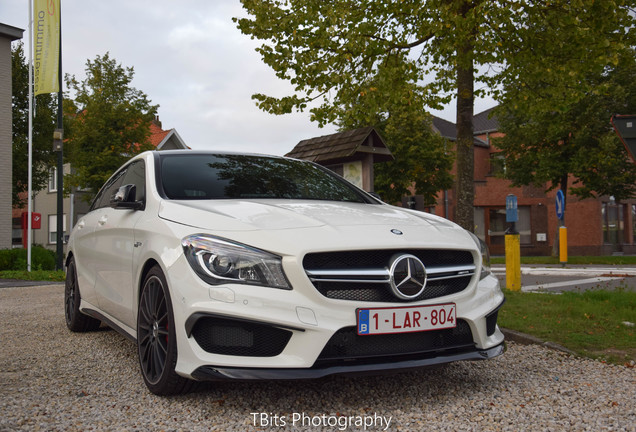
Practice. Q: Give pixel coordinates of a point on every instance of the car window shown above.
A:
(136, 175)
(197, 176)
(110, 187)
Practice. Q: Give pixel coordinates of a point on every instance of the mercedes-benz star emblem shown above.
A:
(407, 276)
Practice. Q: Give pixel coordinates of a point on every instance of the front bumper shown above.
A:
(304, 324)
(212, 373)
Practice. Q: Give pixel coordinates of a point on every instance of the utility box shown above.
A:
(36, 220)
(36, 223)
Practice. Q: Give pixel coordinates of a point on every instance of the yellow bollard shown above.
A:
(513, 262)
(563, 245)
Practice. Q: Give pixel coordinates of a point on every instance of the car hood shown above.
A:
(296, 227)
(236, 215)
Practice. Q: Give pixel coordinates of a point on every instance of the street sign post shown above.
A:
(563, 231)
(560, 205)
(513, 246)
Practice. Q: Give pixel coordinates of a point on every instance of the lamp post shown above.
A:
(58, 148)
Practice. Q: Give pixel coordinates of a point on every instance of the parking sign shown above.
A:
(512, 214)
(560, 204)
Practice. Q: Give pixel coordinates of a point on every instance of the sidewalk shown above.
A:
(555, 278)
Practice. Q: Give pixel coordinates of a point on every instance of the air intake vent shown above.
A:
(238, 338)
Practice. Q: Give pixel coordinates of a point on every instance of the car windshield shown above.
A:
(199, 177)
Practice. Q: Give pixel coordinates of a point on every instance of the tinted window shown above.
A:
(103, 197)
(199, 176)
(136, 175)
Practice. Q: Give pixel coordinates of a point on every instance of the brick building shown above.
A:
(599, 226)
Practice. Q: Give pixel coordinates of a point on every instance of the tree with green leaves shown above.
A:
(422, 158)
(448, 48)
(573, 147)
(108, 121)
(549, 140)
(43, 126)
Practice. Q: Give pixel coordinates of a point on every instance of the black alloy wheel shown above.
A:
(75, 320)
(156, 338)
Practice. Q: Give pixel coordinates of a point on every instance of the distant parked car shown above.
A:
(237, 266)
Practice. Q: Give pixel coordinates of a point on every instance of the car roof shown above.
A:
(164, 153)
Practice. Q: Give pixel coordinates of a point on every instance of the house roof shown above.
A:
(483, 122)
(157, 135)
(160, 138)
(10, 32)
(445, 128)
(342, 145)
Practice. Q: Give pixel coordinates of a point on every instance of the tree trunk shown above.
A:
(464, 182)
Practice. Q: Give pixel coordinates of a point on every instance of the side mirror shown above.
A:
(124, 198)
(375, 195)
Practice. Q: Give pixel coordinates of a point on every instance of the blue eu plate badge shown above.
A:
(363, 321)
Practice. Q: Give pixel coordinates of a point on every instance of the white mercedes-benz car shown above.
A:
(237, 266)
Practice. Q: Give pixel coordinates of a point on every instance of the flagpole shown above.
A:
(60, 158)
(30, 162)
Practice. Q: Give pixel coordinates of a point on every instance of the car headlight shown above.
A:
(485, 256)
(218, 261)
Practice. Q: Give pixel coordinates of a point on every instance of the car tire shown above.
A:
(156, 338)
(76, 321)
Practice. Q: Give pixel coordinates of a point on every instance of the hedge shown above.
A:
(16, 259)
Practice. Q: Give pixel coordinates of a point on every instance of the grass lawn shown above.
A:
(589, 323)
(35, 275)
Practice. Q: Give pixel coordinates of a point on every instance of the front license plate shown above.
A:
(406, 319)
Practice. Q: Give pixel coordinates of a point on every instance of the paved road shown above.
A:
(572, 278)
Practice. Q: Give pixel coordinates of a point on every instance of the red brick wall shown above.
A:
(583, 218)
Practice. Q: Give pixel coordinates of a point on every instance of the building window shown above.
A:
(53, 228)
(523, 226)
(53, 180)
(497, 225)
(497, 164)
(613, 223)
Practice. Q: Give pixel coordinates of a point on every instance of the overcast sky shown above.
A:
(189, 58)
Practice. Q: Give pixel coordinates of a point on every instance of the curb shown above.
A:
(18, 283)
(526, 339)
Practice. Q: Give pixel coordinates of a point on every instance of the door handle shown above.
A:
(102, 220)
(81, 224)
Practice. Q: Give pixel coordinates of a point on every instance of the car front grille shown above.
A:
(347, 346)
(364, 275)
(239, 338)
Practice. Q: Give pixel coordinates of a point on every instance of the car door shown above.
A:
(114, 245)
(87, 256)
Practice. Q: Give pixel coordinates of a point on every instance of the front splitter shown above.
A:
(216, 373)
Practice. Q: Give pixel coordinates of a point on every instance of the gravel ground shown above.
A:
(51, 379)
